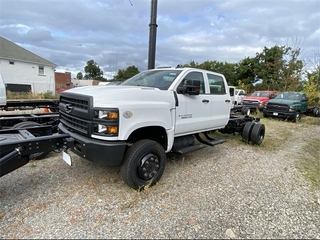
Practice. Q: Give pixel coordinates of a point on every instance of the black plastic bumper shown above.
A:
(100, 152)
(285, 115)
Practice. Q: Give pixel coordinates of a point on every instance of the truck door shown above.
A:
(304, 103)
(192, 112)
(220, 101)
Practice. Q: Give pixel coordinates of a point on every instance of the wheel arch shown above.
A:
(155, 133)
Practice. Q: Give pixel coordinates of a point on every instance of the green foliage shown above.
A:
(29, 95)
(79, 75)
(126, 74)
(48, 95)
(93, 71)
(311, 89)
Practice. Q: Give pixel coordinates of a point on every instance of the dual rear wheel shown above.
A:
(253, 132)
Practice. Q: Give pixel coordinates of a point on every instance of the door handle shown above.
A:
(205, 100)
(227, 101)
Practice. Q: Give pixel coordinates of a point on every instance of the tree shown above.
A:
(93, 71)
(280, 67)
(126, 74)
(79, 75)
(314, 69)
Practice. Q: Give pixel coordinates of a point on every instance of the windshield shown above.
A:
(161, 79)
(289, 96)
(260, 94)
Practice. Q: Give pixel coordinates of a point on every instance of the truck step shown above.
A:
(211, 142)
(216, 142)
(188, 149)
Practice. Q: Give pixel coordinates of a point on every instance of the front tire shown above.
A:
(144, 164)
(297, 117)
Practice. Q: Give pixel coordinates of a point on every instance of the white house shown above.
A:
(24, 71)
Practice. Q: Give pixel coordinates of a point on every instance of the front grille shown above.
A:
(251, 103)
(275, 107)
(76, 112)
(75, 124)
(75, 102)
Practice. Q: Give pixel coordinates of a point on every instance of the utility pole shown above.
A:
(152, 35)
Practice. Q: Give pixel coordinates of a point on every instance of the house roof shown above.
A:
(12, 51)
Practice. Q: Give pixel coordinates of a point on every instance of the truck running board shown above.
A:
(188, 149)
(211, 142)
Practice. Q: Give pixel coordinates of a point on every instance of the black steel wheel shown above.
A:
(144, 164)
(257, 133)
(34, 156)
(316, 112)
(246, 132)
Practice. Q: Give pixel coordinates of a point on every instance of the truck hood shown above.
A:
(108, 96)
(284, 101)
(261, 99)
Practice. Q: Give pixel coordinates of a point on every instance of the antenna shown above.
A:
(130, 2)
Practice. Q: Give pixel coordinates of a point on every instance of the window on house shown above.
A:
(11, 62)
(41, 70)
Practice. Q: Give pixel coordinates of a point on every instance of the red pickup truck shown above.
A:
(257, 100)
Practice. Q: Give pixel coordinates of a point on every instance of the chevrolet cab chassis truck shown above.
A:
(132, 125)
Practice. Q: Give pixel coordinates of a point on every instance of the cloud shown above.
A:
(115, 34)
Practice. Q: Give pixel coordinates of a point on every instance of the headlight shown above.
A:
(107, 114)
(106, 122)
(292, 108)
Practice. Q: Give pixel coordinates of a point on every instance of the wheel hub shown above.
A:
(149, 167)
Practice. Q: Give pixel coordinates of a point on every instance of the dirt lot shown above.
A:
(233, 190)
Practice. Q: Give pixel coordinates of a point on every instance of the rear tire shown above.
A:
(316, 112)
(246, 132)
(34, 156)
(257, 134)
(144, 164)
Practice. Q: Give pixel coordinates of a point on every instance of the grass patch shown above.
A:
(277, 132)
(310, 120)
(29, 95)
(309, 164)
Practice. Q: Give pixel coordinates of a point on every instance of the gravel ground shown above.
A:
(232, 190)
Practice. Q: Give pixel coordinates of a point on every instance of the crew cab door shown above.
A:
(220, 100)
(304, 103)
(192, 112)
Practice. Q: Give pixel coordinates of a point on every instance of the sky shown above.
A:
(115, 33)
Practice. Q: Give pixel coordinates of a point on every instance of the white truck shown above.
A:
(134, 125)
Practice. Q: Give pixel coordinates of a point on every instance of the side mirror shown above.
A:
(272, 96)
(192, 87)
(231, 91)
